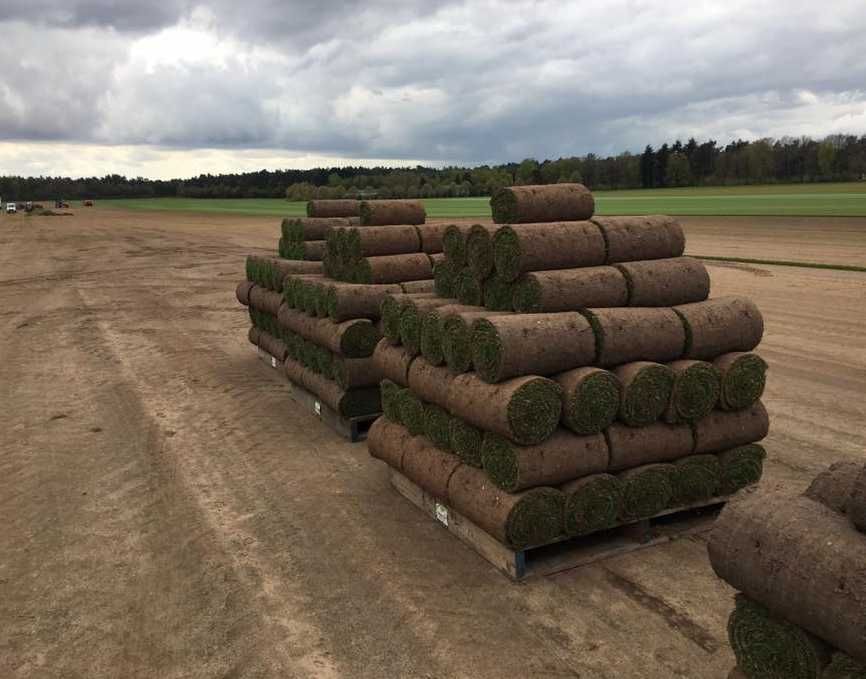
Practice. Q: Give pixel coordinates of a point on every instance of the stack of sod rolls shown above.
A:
(637, 395)
(799, 566)
(304, 237)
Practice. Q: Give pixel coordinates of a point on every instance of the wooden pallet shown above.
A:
(567, 553)
(351, 428)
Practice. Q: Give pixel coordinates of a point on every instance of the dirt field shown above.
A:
(169, 512)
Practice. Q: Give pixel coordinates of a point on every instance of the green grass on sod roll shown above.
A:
(457, 344)
(437, 426)
(390, 313)
(844, 667)
(503, 204)
(479, 251)
(592, 504)
(744, 382)
(325, 363)
(593, 406)
(536, 519)
(361, 272)
(506, 253)
(352, 244)
(695, 392)
(410, 328)
(497, 294)
(695, 478)
(741, 467)
(646, 397)
(391, 398)
(468, 288)
(487, 352)
(466, 441)
(646, 491)
(773, 648)
(454, 246)
(443, 280)
(412, 412)
(499, 460)
(329, 301)
(526, 295)
(534, 410)
(359, 340)
(431, 338)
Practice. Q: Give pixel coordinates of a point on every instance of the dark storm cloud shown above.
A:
(124, 16)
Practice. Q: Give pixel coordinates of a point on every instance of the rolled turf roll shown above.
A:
(833, 486)
(542, 203)
(394, 268)
(387, 441)
(737, 673)
(769, 545)
(369, 241)
(741, 467)
(857, 502)
(531, 344)
(242, 292)
(352, 373)
(457, 338)
(520, 248)
(430, 382)
(592, 503)
(392, 362)
(636, 334)
(311, 228)
(469, 288)
(352, 339)
(479, 250)
(562, 457)
(424, 285)
(533, 517)
(454, 244)
(391, 395)
(646, 491)
(429, 467)
(591, 399)
(273, 345)
(694, 478)
(432, 237)
(466, 441)
(843, 666)
(283, 268)
(262, 299)
(524, 409)
(383, 212)
(719, 326)
(253, 335)
(665, 282)
(437, 426)
(293, 288)
(695, 391)
(631, 239)
(768, 647)
(391, 310)
(444, 277)
(722, 430)
(343, 207)
(743, 377)
(351, 403)
(646, 391)
(411, 412)
(310, 250)
(344, 301)
(657, 442)
(569, 290)
(497, 294)
(411, 318)
(432, 329)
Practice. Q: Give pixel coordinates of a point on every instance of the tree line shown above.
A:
(763, 161)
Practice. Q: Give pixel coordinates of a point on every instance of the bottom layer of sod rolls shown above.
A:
(591, 399)
(741, 467)
(647, 490)
(694, 478)
(592, 503)
(411, 412)
(391, 398)
(437, 426)
(466, 441)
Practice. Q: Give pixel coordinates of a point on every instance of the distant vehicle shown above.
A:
(60, 204)
(88, 203)
(11, 208)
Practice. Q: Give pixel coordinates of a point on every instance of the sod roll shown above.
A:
(857, 503)
(344, 207)
(562, 457)
(833, 486)
(719, 326)
(273, 345)
(429, 467)
(695, 478)
(437, 426)
(843, 666)
(569, 290)
(391, 396)
(394, 268)
(253, 335)
(665, 282)
(646, 491)
(311, 251)
(432, 237)
(369, 241)
(457, 338)
(722, 430)
(497, 294)
(801, 560)
(531, 344)
(392, 362)
(351, 373)
(591, 399)
(533, 517)
(525, 410)
(521, 248)
(542, 203)
(479, 250)
(411, 412)
(344, 301)
(454, 244)
(430, 382)
(352, 339)
(387, 441)
(262, 299)
(741, 467)
(383, 212)
(630, 239)
(285, 267)
(636, 334)
(646, 391)
(351, 403)
(444, 279)
(242, 292)
(411, 318)
(466, 441)
(468, 288)
(695, 392)
(391, 310)
(657, 442)
(592, 503)
(312, 228)
(768, 647)
(743, 377)
(432, 328)
(424, 285)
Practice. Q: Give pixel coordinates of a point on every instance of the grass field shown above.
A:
(803, 200)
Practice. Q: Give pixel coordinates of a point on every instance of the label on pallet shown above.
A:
(442, 514)
(273, 362)
(317, 407)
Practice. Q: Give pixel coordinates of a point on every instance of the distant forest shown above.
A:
(765, 161)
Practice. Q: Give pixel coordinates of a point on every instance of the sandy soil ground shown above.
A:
(168, 511)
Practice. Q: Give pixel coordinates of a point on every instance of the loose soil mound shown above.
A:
(627, 335)
(543, 203)
(387, 441)
(333, 208)
(592, 503)
(833, 487)
(646, 392)
(542, 247)
(666, 282)
(722, 430)
(646, 491)
(719, 326)
(570, 290)
(741, 467)
(631, 239)
(382, 212)
(591, 399)
(392, 362)
(658, 442)
(695, 392)
(743, 377)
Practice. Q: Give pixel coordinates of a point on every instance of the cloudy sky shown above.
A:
(177, 87)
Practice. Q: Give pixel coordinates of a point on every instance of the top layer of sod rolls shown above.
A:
(333, 208)
(544, 203)
(383, 212)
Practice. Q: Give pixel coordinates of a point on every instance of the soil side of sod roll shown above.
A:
(391, 395)
(542, 203)
(770, 545)
(457, 338)
(479, 250)
(415, 287)
(531, 344)
(741, 467)
(392, 362)
(592, 503)
(437, 426)
(387, 441)
(352, 339)
(569, 290)
(525, 410)
(432, 322)
(454, 244)
(385, 212)
(719, 326)
(432, 237)
(646, 391)
(273, 345)
(430, 382)
(532, 517)
(286, 267)
(636, 334)
(411, 412)
(242, 292)
(268, 301)
(343, 207)
(646, 491)
(834, 486)
(370, 241)
(591, 399)
(694, 478)
(562, 457)
(351, 403)
(521, 248)
(631, 239)
(695, 391)
(411, 319)
(657, 442)
(313, 228)
(722, 430)
(665, 282)
(352, 373)
(743, 378)
(394, 268)
(469, 288)
(253, 335)
(466, 441)
(857, 503)
(429, 467)
(344, 301)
